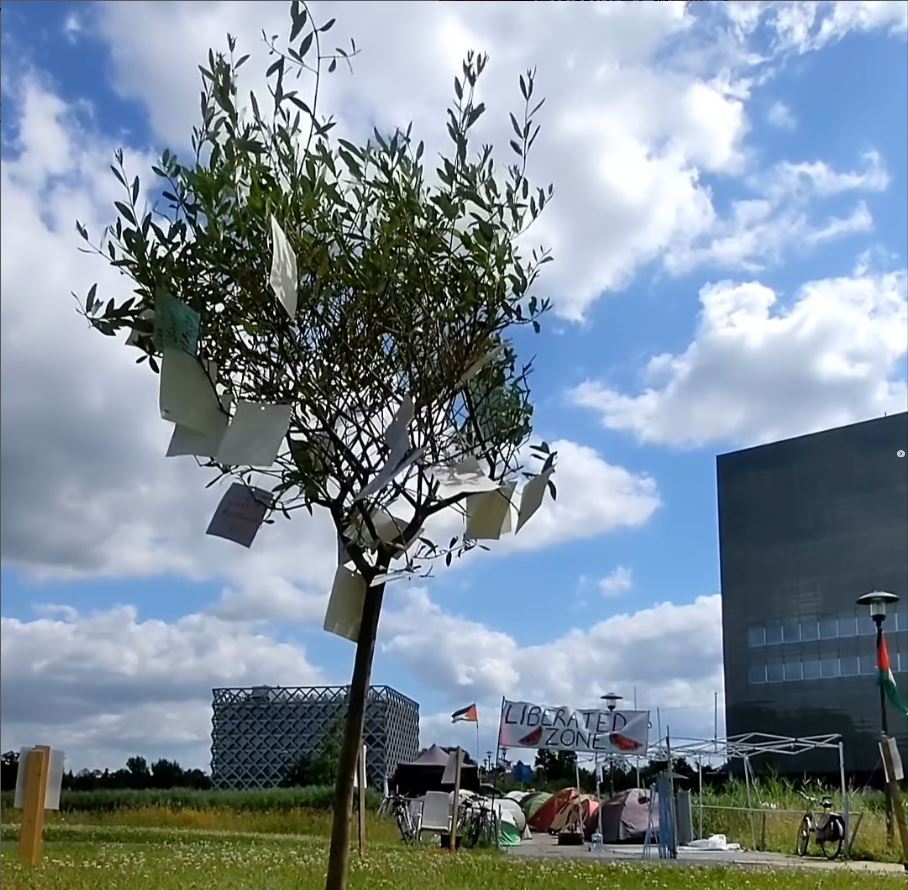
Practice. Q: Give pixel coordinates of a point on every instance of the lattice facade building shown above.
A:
(258, 733)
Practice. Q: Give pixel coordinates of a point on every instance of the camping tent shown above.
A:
(532, 803)
(425, 774)
(624, 816)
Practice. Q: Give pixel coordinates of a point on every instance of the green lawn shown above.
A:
(120, 858)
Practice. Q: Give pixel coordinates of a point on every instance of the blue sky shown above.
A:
(730, 196)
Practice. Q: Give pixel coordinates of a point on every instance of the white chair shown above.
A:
(436, 813)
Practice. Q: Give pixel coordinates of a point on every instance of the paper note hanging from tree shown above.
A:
(531, 498)
(254, 436)
(465, 476)
(388, 472)
(147, 319)
(345, 605)
(489, 513)
(240, 514)
(187, 396)
(397, 435)
(185, 441)
(480, 363)
(176, 325)
(284, 280)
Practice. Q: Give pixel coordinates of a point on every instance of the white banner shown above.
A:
(525, 725)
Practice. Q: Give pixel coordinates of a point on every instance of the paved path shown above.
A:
(545, 846)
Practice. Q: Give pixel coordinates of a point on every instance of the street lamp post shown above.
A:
(877, 600)
(611, 700)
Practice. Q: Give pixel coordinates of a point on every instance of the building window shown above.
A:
(791, 632)
(811, 669)
(809, 630)
(829, 667)
(868, 664)
(848, 664)
(793, 669)
(756, 636)
(848, 625)
(829, 628)
(774, 672)
(866, 627)
(773, 634)
(757, 673)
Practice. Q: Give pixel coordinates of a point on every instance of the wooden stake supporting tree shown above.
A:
(332, 325)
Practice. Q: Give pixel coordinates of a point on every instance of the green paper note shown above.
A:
(176, 325)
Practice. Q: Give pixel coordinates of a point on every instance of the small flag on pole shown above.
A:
(468, 714)
(885, 678)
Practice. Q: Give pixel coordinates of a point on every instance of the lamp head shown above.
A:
(611, 699)
(877, 600)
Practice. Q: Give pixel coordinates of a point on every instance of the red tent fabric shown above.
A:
(542, 819)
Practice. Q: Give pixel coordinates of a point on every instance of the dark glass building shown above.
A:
(805, 527)
(258, 733)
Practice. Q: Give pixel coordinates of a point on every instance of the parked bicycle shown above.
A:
(399, 809)
(477, 823)
(827, 828)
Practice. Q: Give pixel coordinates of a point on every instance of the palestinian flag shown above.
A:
(468, 714)
(886, 680)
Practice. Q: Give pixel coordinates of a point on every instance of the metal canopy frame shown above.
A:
(753, 744)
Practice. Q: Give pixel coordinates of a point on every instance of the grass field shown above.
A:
(121, 858)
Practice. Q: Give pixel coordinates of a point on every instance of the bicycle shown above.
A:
(398, 808)
(477, 824)
(827, 829)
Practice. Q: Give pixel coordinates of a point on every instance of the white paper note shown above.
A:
(254, 436)
(531, 498)
(284, 278)
(387, 473)
(185, 441)
(489, 513)
(480, 363)
(345, 605)
(397, 435)
(54, 779)
(187, 396)
(239, 514)
(465, 476)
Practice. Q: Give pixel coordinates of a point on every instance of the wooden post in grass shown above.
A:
(31, 838)
(361, 815)
(452, 836)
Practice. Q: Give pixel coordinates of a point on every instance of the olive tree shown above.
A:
(360, 305)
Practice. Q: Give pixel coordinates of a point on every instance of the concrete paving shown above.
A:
(544, 846)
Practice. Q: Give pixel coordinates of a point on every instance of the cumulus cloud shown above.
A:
(109, 684)
(617, 582)
(780, 216)
(760, 369)
(781, 116)
(669, 654)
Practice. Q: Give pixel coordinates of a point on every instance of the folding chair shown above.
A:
(436, 813)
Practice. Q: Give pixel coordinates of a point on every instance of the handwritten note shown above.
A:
(185, 441)
(284, 279)
(187, 395)
(345, 605)
(240, 514)
(176, 325)
(255, 434)
(465, 476)
(489, 513)
(531, 498)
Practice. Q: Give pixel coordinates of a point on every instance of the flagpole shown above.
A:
(477, 742)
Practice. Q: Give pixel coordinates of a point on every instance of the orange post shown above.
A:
(31, 839)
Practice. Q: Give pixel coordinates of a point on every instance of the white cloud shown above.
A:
(781, 116)
(757, 371)
(109, 684)
(781, 216)
(669, 654)
(72, 27)
(619, 581)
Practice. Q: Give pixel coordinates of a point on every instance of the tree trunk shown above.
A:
(353, 733)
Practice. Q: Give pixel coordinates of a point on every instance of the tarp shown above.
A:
(624, 816)
(426, 772)
(532, 802)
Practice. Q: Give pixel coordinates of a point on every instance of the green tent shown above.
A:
(533, 802)
(508, 835)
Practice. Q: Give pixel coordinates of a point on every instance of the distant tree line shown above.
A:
(136, 775)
